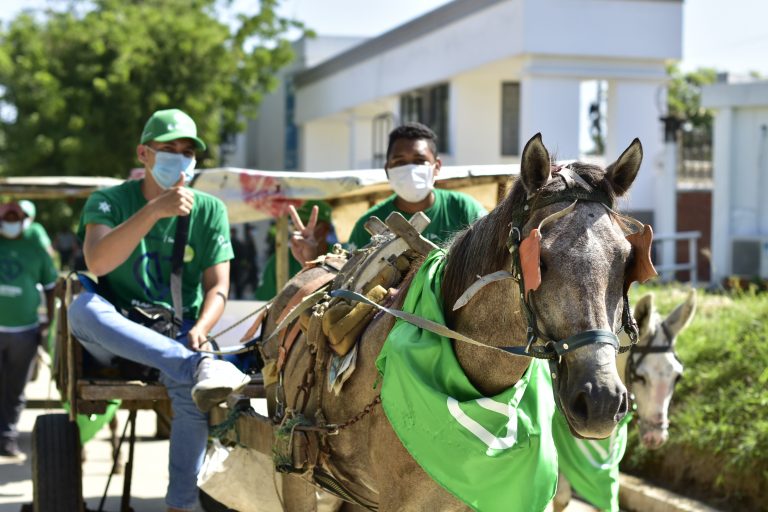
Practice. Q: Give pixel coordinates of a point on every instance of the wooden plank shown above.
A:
(123, 390)
(282, 252)
(138, 390)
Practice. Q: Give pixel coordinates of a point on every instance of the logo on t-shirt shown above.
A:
(105, 207)
(148, 273)
(10, 269)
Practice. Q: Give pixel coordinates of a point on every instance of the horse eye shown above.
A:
(543, 267)
(640, 379)
(677, 379)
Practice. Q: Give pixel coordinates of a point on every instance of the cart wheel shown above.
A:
(56, 465)
(211, 505)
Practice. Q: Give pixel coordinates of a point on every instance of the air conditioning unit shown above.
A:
(749, 257)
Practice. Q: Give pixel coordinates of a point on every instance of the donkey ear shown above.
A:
(643, 310)
(682, 315)
(534, 165)
(623, 171)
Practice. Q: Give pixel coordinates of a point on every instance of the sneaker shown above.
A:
(215, 380)
(10, 448)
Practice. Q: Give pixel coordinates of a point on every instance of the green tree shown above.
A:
(77, 85)
(684, 95)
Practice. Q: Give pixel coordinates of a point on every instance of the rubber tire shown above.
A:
(56, 465)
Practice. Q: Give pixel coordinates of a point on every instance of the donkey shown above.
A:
(650, 371)
(575, 287)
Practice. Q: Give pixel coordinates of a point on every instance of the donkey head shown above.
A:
(576, 289)
(654, 368)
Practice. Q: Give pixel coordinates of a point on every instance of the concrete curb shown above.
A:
(637, 495)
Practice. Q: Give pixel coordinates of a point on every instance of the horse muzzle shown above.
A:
(589, 391)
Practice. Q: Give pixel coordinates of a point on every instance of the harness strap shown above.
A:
(332, 485)
(177, 266)
(552, 350)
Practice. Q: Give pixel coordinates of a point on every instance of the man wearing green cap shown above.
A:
(322, 228)
(128, 233)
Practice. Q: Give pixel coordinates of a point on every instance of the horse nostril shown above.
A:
(580, 407)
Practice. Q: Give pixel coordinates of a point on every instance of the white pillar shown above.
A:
(633, 112)
(551, 106)
(666, 204)
(721, 194)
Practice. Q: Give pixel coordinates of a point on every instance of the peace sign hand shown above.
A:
(303, 241)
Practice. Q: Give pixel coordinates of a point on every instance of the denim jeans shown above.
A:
(17, 352)
(105, 333)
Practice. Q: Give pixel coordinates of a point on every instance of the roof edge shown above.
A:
(398, 36)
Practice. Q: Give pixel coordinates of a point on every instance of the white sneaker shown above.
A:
(215, 380)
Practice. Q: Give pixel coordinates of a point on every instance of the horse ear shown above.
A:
(534, 165)
(681, 317)
(643, 310)
(623, 171)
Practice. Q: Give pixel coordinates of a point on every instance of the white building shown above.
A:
(486, 75)
(739, 206)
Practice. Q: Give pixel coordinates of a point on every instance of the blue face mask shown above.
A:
(169, 167)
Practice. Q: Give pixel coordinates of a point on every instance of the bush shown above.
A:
(718, 440)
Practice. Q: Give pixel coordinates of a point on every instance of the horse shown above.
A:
(575, 291)
(650, 370)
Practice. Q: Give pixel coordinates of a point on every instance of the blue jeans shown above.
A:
(105, 333)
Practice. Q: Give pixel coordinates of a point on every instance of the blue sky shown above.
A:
(728, 35)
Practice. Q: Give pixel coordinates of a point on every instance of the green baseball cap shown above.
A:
(28, 207)
(323, 211)
(171, 124)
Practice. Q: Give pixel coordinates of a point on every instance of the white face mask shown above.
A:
(11, 229)
(412, 182)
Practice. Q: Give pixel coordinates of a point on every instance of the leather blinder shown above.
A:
(642, 269)
(530, 255)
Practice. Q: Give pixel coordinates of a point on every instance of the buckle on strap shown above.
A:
(581, 339)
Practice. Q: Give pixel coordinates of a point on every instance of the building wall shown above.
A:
(740, 154)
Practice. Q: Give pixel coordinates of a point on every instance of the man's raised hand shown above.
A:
(303, 241)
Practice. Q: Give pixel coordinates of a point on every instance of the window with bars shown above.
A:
(510, 119)
(429, 106)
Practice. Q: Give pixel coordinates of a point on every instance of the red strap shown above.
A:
(530, 254)
(643, 268)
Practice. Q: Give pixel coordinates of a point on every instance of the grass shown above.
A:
(718, 441)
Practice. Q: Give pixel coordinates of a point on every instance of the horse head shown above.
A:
(653, 368)
(573, 261)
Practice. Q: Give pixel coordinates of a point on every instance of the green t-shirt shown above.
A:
(37, 233)
(268, 288)
(451, 212)
(144, 278)
(23, 265)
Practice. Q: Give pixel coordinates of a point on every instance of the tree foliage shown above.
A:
(78, 84)
(684, 95)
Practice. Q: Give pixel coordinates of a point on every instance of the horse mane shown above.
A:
(481, 248)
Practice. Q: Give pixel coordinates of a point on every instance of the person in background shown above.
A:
(34, 230)
(24, 264)
(316, 213)
(65, 243)
(412, 166)
(236, 266)
(128, 233)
